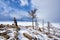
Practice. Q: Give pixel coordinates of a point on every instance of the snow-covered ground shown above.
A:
(29, 23)
(34, 33)
(29, 31)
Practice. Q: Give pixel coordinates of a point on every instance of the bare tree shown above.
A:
(32, 13)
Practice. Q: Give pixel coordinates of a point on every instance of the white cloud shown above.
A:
(12, 12)
(23, 2)
(40, 6)
(4, 6)
(47, 9)
(18, 14)
(35, 3)
(13, 0)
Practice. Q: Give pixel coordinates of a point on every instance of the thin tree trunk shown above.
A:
(33, 23)
(48, 27)
(36, 24)
(43, 24)
(54, 31)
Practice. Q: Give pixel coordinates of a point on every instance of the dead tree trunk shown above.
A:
(15, 22)
(36, 24)
(17, 28)
(43, 24)
(54, 31)
(33, 23)
(48, 27)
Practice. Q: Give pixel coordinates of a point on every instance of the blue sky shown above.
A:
(49, 10)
